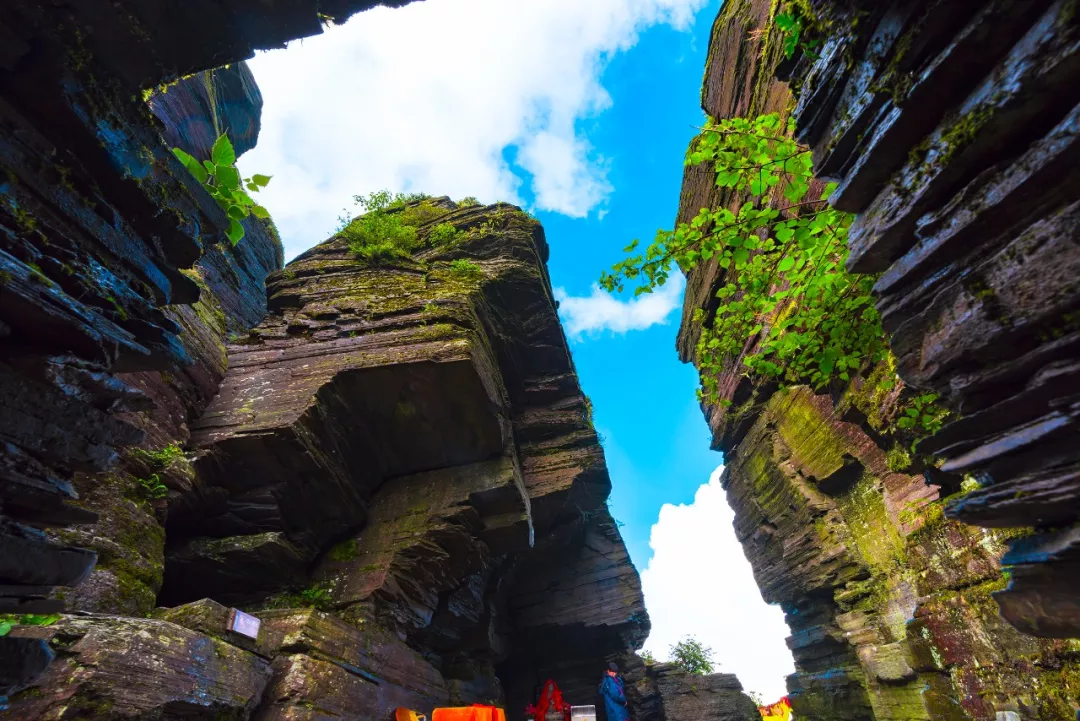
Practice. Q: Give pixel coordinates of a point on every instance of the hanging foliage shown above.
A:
(221, 178)
(787, 306)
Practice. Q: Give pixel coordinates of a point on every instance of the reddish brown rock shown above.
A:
(408, 449)
(343, 670)
(128, 668)
(966, 206)
(99, 220)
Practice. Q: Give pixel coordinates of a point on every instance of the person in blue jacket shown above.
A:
(611, 689)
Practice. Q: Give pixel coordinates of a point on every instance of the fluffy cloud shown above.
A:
(440, 96)
(699, 583)
(600, 311)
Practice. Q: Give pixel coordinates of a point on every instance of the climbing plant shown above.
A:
(221, 178)
(793, 27)
(922, 415)
(786, 305)
(692, 656)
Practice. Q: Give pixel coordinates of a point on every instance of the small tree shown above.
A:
(692, 656)
(647, 657)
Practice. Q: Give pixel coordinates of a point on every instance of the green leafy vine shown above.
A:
(793, 26)
(787, 307)
(221, 178)
(922, 415)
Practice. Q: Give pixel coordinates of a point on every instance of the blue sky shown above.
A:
(655, 437)
(580, 112)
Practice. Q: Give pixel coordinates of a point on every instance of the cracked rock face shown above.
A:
(898, 608)
(406, 448)
(399, 478)
(100, 223)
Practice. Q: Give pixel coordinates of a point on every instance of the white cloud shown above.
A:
(430, 96)
(699, 583)
(600, 311)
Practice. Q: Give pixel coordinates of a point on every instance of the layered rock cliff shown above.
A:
(394, 468)
(99, 219)
(948, 127)
(398, 475)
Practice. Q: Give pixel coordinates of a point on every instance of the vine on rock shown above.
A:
(787, 307)
(793, 27)
(221, 178)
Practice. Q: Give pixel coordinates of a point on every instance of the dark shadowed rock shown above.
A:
(99, 220)
(198, 109)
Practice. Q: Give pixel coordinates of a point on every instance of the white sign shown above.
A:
(243, 623)
(1007, 716)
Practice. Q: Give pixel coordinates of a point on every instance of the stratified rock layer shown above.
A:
(405, 446)
(889, 601)
(967, 206)
(98, 220)
(399, 478)
(130, 500)
(664, 691)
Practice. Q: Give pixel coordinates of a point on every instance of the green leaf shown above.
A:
(5, 627)
(238, 212)
(785, 22)
(260, 212)
(261, 180)
(228, 177)
(786, 264)
(191, 164)
(210, 167)
(741, 255)
(222, 153)
(235, 231)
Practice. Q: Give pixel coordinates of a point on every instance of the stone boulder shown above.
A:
(664, 692)
(327, 668)
(109, 667)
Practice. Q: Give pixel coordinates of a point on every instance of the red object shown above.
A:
(476, 712)
(550, 700)
(779, 711)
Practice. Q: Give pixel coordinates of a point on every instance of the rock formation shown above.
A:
(399, 477)
(664, 691)
(99, 219)
(394, 468)
(948, 127)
